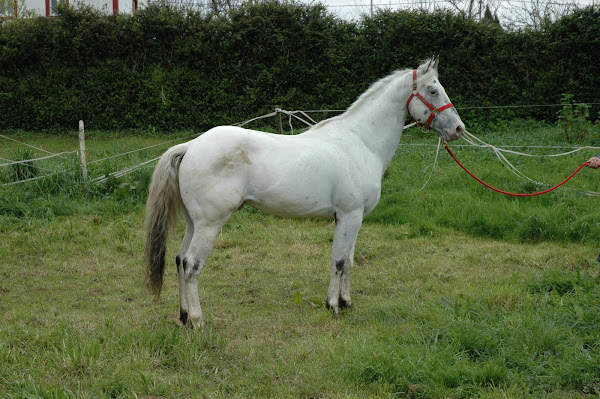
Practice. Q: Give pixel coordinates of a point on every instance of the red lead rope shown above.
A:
(513, 194)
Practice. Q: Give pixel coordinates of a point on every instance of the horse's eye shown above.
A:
(433, 92)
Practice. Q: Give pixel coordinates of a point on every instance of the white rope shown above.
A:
(483, 144)
(308, 117)
(316, 111)
(472, 139)
(123, 172)
(502, 147)
(522, 106)
(291, 114)
(437, 152)
(25, 161)
(479, 107)
(240, 124)
(33, 178)
(138, 150)
(25, 144)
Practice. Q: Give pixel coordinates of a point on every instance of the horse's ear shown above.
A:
(435, 62)
(424, 67)
(429, 65)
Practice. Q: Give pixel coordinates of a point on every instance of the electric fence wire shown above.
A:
(101, 179)
(309, 121)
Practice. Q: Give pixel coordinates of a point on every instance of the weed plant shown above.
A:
(23, 170)
(573, 119)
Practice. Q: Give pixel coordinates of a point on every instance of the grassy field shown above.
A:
(458, 292)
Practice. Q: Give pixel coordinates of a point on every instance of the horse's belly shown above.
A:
(302, 205)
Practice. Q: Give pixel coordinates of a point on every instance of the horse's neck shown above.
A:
(379, 119)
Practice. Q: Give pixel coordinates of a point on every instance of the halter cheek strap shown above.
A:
(434, 111)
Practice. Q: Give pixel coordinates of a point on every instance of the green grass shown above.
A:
(446, 302)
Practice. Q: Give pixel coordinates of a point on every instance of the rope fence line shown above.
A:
(522, 106)
(25, 144)
(508, 146)
(33, 178)
(478, 107)
(138, 150)
(306, 119)
(100, 179)
(123, 172)
(240, 124)
(27, 161)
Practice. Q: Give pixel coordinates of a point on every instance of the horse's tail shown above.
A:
(164, 202)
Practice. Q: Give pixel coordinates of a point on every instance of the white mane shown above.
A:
(376, 87)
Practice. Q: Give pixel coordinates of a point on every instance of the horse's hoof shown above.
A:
(328, 305)
(342, 304)
(192, 326)
(183, 316)
(345, 304)
(195, 323)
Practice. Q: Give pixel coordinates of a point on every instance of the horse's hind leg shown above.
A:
(200, 246)
(189, 232)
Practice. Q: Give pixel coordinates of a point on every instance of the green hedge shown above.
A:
(173, 70)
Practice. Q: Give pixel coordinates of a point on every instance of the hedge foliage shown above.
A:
(172, 70)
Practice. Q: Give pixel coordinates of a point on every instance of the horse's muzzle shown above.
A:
(454, 133)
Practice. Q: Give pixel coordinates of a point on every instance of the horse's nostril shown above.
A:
(460, 129)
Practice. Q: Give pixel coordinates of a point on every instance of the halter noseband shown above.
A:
(434, 111)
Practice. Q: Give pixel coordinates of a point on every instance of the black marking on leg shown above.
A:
(335, 217)
(183, 316)
(184, 264)
(178, 261)
(344, 304)
(196, 266)
(339, 265)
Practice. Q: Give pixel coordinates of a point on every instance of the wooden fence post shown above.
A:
(279, 125)
(82, 153)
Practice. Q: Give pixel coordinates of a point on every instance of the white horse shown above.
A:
(333, 171)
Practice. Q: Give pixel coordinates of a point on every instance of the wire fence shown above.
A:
(302, 116)
(103, 178)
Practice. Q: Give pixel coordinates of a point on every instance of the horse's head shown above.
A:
(429, 104)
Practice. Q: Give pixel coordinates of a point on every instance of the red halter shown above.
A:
(434, 111)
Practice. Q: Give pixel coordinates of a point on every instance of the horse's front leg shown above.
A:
(347, 226)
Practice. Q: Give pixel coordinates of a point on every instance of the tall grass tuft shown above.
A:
(23, 170)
